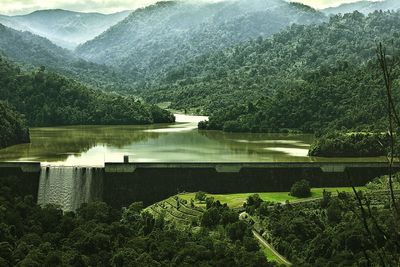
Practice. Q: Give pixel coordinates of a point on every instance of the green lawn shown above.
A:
(237, 200)
(271, 256)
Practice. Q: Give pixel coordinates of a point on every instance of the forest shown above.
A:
(49, 99)
(13, 127)
(33, 51)
(98, 235)
(350, 229)
(360, 144)
(259, 66)
(165, 35)
(311, 79)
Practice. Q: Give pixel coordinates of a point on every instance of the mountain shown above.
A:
(33, 50)
(307, 78)
(151, 40)
(48, 99)
(364, 7)
(65, 28)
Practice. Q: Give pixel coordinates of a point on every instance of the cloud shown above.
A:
(325, 3)
(13, 7)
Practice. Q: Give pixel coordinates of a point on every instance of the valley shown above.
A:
(255, 133)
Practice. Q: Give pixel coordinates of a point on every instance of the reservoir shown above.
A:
(178, 142)
(74, 162)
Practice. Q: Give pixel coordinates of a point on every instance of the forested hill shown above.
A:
(13, 128)
(304, 78)
(36, 51)
(365, 7)
(63, 27)
(153, 39)
(46, 98)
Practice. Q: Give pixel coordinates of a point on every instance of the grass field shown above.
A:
(271, 256)
(237, 200)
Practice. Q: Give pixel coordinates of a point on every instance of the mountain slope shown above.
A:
(33, 50)
(364, 7)
(153, 39)
(306, 78)
(46, 98)
(13, 129)
(65, 28)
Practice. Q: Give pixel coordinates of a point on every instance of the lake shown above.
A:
(177, 142)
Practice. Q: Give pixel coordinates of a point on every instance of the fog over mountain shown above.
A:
(65, 28)
(151, 40)
(364, 7)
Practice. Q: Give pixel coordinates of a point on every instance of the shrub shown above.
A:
(301, 189)
(200, 196)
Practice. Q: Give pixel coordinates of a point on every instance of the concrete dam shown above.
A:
(120, 184)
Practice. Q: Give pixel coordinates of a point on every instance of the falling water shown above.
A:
(69, 187)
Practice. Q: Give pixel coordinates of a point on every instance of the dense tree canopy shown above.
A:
(332, 231)
(35, 51)
(13, 128)
(306, 78)
(46, 98)
(338, 144)
(167, 34)
(97, 235)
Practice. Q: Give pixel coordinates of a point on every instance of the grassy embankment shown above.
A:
(178, 209)
(237, 200)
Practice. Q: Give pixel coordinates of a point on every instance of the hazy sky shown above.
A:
(12, 7)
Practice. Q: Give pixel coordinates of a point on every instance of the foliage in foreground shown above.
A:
(333, 231)
(97, 235)
(13, 129)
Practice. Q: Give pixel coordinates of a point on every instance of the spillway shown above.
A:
(120, 184)
(69, 187)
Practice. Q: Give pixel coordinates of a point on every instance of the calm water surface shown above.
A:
(181, 141)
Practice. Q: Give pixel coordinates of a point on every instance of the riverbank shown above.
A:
(352, 144)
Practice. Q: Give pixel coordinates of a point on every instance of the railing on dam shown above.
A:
(235, 167)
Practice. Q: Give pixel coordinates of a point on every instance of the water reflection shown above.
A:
(181, 141)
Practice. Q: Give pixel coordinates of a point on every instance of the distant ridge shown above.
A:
(63, 27)
(364, 6)
(34, 51)
(153, 39)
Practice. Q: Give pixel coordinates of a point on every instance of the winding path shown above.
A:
(270, 247)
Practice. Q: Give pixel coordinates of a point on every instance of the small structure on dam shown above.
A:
(150, 182)
(120, 184)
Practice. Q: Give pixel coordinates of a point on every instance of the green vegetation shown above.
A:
(271, 256)
(153, 40)
(97, 235)
(13, 128)
(332, 231)
(313, 78)
(301, 189)
(63, 27)
(34, 51)
(339, 144)
(46, 99)
(382, 183)
(237, 200)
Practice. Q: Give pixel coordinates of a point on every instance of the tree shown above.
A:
(301, 189)
(211, 217)
(200, 196)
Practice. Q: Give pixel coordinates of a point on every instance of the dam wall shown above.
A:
(120, 184)
(23, 177)
(152, 182)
